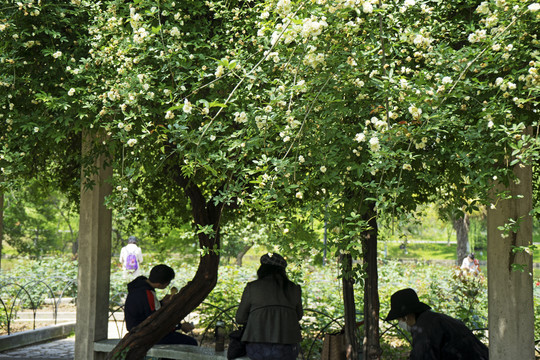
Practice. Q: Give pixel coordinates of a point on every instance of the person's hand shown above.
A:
(187, 327)
(166, 299)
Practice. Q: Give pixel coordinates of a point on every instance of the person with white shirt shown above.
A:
(131, 259)
(469, 264)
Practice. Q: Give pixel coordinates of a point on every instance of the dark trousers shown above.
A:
(267, 351)
(177, 338)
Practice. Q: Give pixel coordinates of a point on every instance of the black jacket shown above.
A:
(141, 302)
(440, 337)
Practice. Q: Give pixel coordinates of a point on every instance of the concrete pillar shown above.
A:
(510, 292)
(94, 256)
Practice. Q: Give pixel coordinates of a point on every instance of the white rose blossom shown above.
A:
(534, 7)
(360, 137)
(374, 144)
(187, 107)
(219, 71)
(447, 80)
(240, 117)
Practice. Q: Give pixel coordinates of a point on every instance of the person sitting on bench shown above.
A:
(142, 301)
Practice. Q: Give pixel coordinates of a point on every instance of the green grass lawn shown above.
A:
(424, 251)
(430, 251)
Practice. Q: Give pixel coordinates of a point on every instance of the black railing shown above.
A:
(20, 294)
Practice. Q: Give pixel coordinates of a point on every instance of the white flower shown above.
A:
(447, 80)
(212, 137)
(407, 167)
(169, 115)
(511, 85)
(360, 137)
(132, 142)
(323, 169)
(219, 71)
(415, 112)
(187, 106)
(496, 47)
(71, 92)
(403, 83)
(409, 3)
(483, 8)
(490, 124)
(359, 83)
(57, 54)
(367, 7)
(283, 7)
(240, 117)
(374, 144)
(301, 159)
(36, 129)
(534, 7)
(477, 36)
(498, 81)
(175, 32)
(299, 195)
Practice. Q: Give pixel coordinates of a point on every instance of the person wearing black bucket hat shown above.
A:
(435, 336)
(271, 308)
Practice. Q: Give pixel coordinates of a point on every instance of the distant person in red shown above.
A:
(141, 302)
(435, 336)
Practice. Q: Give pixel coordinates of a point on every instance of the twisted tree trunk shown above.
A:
(140, 339)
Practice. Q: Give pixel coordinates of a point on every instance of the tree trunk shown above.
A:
(350, 307)
(241, 254)
(1, 225)
(461, 225)
(141, 338)
(372, 347)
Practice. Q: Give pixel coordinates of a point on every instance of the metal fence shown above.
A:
(31, 296)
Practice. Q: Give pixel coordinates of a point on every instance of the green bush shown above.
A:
(444, 288)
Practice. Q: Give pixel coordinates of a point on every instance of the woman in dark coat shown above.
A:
(271, 308)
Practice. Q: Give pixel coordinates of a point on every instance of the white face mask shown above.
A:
(402, 324)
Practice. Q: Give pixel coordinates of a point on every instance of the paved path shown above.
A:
(63, 349)
(55, 350)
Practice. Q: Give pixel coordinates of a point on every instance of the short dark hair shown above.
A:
(161, 274)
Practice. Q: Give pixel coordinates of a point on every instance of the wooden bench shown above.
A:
(180, 352)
